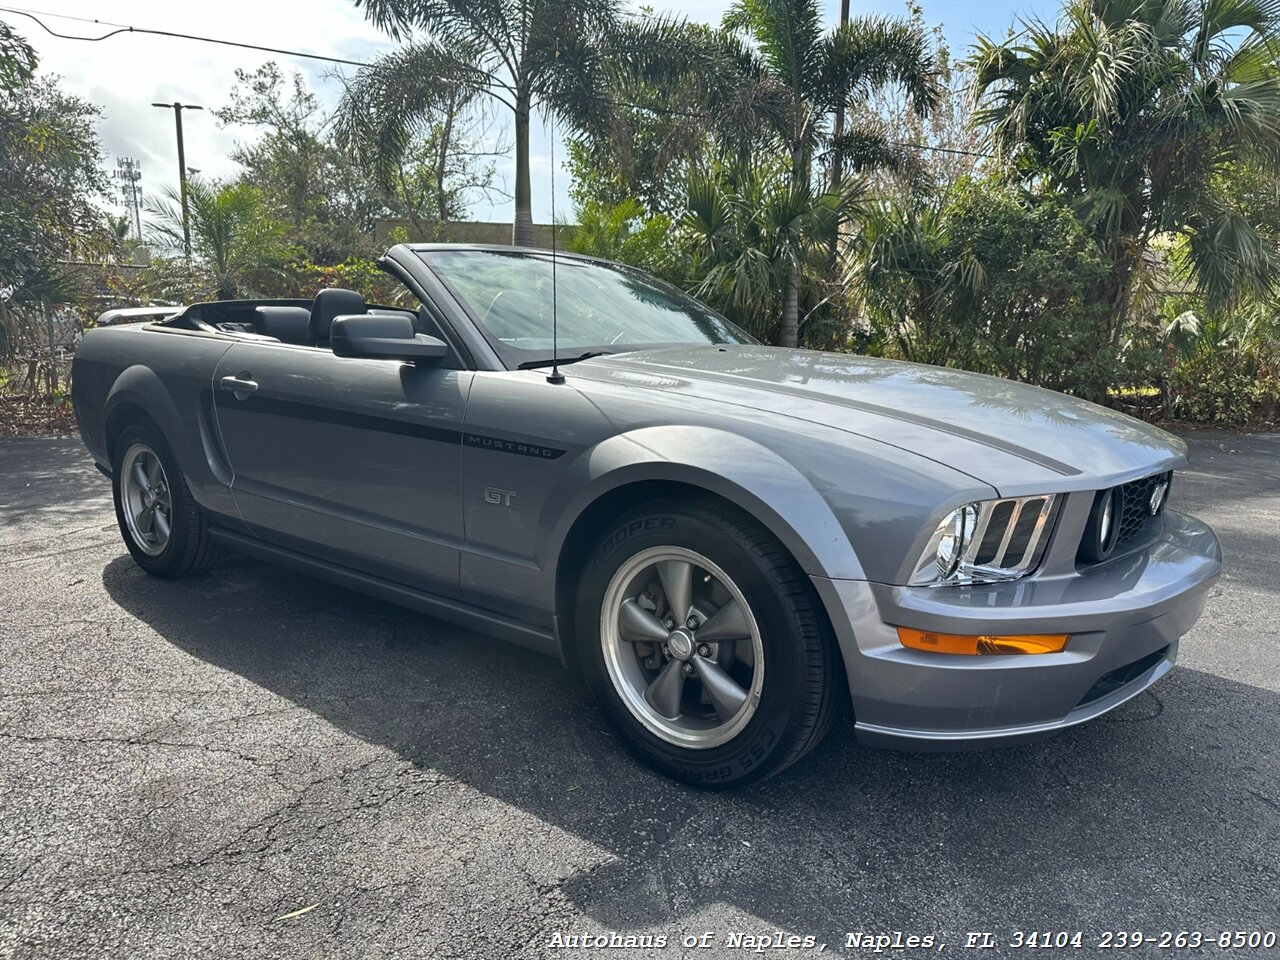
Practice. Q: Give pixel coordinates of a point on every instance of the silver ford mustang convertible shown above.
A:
(732, 542)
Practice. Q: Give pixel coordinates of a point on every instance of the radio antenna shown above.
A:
(555, 376)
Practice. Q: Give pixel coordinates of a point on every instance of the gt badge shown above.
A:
(501, 498)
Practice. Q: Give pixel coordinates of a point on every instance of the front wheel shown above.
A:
(703, 643)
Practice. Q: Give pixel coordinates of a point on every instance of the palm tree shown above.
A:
(404, 122)
(522, 55)
(822, 71)
(674, 97)
(1129, 108)
(769, 235)
(679, 95)
(905, 274)
(233, 237)
(761, 239)
(770, 82)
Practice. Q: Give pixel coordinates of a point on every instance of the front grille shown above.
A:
(1135, 513)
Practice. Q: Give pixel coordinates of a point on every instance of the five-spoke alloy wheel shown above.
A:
(682, 647)
(704, 643)
(148, 506)
(161, 523)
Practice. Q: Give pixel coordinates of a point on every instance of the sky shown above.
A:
(126, 73)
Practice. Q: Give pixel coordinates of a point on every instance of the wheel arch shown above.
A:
(656, 463)
(138, 395)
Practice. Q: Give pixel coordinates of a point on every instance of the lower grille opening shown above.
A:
(1119, 677)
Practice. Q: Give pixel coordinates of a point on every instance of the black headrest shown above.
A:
(286, 324)
(327, 305)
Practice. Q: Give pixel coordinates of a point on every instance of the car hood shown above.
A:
(1017, 438)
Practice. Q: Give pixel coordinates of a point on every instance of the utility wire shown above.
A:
(66, 16)
(125, 28)
(121, 28)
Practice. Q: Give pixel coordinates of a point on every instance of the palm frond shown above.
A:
(869, 148)
(1229, 259)
(1222, 18)
(789, 35)
(391, 103)
(874, 52)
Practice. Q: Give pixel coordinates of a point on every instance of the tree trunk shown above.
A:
(837, 130)
(442, 158)
(837, 151)
(1117, 292)
(790, 315)
(522, 231)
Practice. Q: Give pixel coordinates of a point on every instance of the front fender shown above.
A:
(740, 470)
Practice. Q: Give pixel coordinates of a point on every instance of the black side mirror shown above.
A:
(384, 336)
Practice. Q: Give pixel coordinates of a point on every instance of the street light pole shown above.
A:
(177, 109)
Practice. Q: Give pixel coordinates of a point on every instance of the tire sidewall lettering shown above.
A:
(634, 528)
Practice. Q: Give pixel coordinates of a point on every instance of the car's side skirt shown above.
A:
(453, 611)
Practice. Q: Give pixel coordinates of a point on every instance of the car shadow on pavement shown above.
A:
(1136, 817)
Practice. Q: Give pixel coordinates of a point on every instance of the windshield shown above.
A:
(600, 307)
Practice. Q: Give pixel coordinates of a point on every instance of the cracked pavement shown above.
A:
(183, 764)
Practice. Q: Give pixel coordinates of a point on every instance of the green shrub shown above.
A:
(624, 232)
(987, 279)
(1223, 386)
(1225, 365)
(305, 278)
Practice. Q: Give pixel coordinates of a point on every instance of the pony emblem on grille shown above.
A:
(1157, 497)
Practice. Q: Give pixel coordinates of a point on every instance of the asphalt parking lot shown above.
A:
(184, 765)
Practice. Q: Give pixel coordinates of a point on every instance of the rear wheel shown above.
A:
(703, 643)
(160, 522)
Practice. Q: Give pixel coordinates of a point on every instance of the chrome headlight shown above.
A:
(986, 541)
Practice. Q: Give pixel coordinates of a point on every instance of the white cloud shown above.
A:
(126, 73)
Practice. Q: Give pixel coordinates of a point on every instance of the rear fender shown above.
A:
(191, 434)
(139, 387)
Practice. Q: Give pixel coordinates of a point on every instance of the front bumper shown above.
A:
(1125, 618)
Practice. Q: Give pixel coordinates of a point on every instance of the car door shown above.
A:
(352, 461)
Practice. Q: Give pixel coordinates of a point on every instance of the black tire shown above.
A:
(189, 548)
(801, 692)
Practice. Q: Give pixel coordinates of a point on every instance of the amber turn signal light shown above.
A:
(973, 645)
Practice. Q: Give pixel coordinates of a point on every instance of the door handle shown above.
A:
(240, 385)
